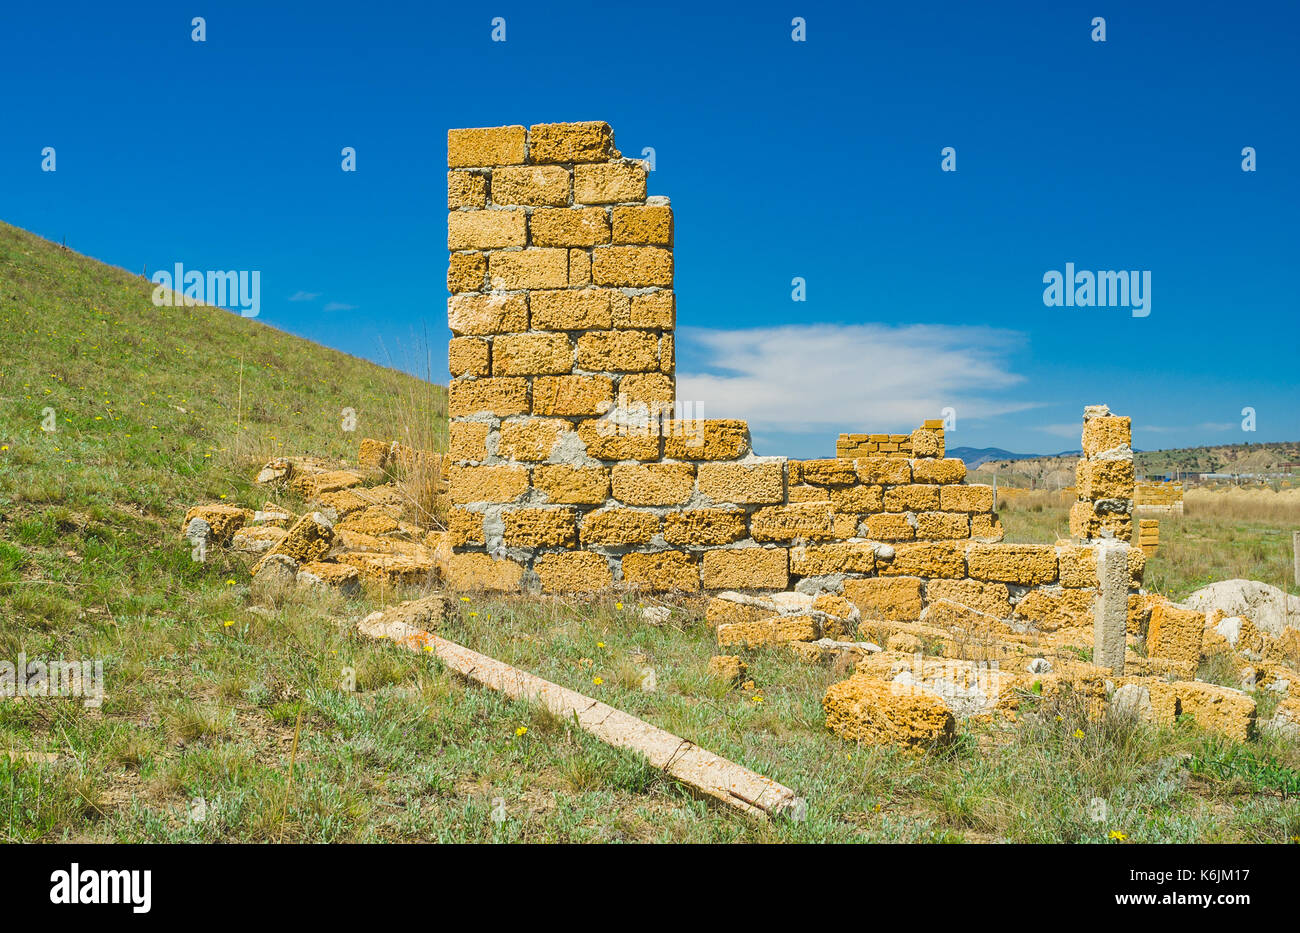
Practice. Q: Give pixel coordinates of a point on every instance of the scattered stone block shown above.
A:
(728, 668)
(390, 569)
(257, 539)
(1285, 721)
(309, 539)
(342, 577)
(276, 570)
(222, 521)
(774, 630)
(864, 710)
(273, 515)
(312, 485)
(276, 471)
(1222, 710)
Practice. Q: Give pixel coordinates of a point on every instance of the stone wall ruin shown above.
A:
(569, 472)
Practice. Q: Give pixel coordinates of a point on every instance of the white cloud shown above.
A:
(1073, 430)
(820, 377)
(339, 306)
(304, 296)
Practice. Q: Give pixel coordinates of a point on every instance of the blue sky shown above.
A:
(817, 159)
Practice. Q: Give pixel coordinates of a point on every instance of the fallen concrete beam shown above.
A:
(709, 774)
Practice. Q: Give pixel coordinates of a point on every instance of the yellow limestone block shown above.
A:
(481, 572)
(618, 526)
(224, 520)
(1022, 564)
(696, 527)
(573, 572)
(661, 571)
(728, 668)
(720, 609)
(769, 631)
(308, 540)
(1228, 712)
(746, 568)
(1175, 633)
(894, 598)
(865, 710)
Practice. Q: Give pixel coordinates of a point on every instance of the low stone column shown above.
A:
(1110, 615)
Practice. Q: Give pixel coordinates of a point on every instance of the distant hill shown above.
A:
(975, 457)
(1223, 458)
(1056, 470)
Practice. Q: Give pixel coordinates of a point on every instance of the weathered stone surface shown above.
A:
(1023, 564)
(467, 572)
(864, 710)
(819, 559)
(499, 145)
(661, 571)
(342, 577)
(256, 539)
(886, 598)
(809, 521)
(769, 631)
(653, 483)
(755, 483)
(704, 527)
(541, 527)
(1227, 712)
(574, 572)
(928, 559)
(746, 568)
(588, 141)
(706, 439)
(308, 540)
(616, 526)
(222, 520)
(728, 668)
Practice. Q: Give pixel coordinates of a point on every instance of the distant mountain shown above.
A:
(975, 457)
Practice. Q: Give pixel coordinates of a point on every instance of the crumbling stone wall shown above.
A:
(885, 445)
(569, 472)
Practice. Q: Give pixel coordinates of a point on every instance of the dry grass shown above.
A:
(419, 411)
(1033, 500)
(1244, 504)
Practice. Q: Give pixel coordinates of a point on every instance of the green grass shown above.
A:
(239, 716)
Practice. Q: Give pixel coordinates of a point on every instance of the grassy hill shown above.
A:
(1223, 458)
(224, 719)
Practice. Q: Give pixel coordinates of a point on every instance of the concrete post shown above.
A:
(1110, 615)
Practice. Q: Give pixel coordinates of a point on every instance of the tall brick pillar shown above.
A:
(562, 311)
